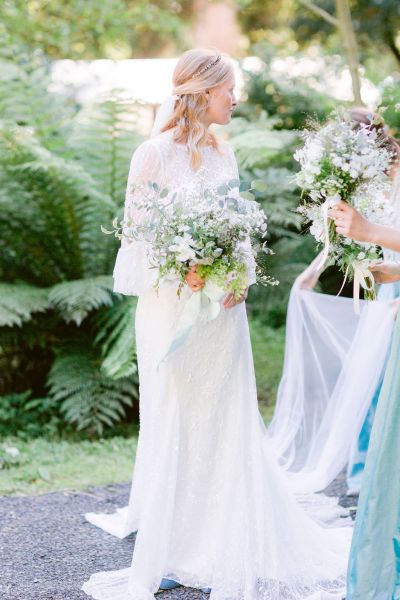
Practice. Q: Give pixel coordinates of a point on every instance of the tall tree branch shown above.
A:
(320, 12)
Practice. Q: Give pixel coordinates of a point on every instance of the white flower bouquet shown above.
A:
(222, 233)
(348, 162)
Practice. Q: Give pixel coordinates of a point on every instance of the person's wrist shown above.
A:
(372, 233)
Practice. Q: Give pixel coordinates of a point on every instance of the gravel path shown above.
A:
(47, 549)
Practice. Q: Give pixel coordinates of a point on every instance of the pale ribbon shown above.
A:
(327, 205)
(364, 278)
(205, 304)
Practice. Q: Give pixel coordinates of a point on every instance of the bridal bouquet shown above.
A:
(220, 232)
(344, 162)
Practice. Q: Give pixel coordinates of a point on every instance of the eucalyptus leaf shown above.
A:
(223, 189)
(245, 186)
(164, 193)
(104, 230)
(234, 183)
(247, 195)
(259, 185)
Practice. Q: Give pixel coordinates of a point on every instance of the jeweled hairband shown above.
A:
(208, 66)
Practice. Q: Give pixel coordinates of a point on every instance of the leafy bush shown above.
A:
(31, 417)
(62, 329)
(290, 101)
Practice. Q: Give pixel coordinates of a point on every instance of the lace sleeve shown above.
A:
(246, 245)
(132, 273)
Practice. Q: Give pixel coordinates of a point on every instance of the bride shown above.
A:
(208, 499)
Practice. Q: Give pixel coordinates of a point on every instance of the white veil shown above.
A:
(334, 360)
(333, 364)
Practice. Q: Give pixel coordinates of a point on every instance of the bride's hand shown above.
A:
(230, 302)
(193, 280)
(386, 272)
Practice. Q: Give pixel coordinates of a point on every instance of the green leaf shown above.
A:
(234, 183)
(76, 299)
(259, 185)
(88, 398)
(19, 302)
(247, 195)
(223, 189)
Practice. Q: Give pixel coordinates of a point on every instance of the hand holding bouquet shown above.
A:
(220, 233)
(344, 161)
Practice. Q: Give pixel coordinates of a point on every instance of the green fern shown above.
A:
(76, 299)
(257, 144)
(103, 138)
(18, 302)
(88, 399)
(24, 99)
(52, 212)
(116, 336)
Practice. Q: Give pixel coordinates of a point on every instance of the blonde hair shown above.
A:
(196, 72)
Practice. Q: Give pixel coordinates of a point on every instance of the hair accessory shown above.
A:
(208, 66)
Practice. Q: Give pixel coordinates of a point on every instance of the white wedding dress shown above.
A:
(208, 498)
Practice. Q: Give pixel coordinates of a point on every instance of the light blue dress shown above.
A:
(374, 564)
(358, 455)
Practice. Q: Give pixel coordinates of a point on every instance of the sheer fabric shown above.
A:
(334, 363)
(210, 503)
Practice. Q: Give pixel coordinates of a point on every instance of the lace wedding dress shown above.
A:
(209, 501)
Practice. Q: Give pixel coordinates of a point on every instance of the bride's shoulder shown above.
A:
(225, 148)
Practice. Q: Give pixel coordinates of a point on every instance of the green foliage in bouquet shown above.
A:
(64, 335)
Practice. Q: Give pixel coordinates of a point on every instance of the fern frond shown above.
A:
(116, 336)
(103, 139)
(87, 398)
(259, 145)
(53, 210)
(75, 299)
(18, 302)
(25, 100)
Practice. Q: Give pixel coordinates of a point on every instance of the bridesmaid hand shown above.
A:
(193, 280)
(386, 272)
(230, 302)
(350, 223)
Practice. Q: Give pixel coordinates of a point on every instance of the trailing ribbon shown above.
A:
(205, 304)
(364, 278)
(329, 202)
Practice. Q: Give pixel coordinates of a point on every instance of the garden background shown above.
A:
(68, 373)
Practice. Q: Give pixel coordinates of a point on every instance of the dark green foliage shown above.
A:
(88, 398)
(63, 332)
(22, 415)
(376, 23)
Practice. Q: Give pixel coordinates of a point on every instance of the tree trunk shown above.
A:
(350, 45)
